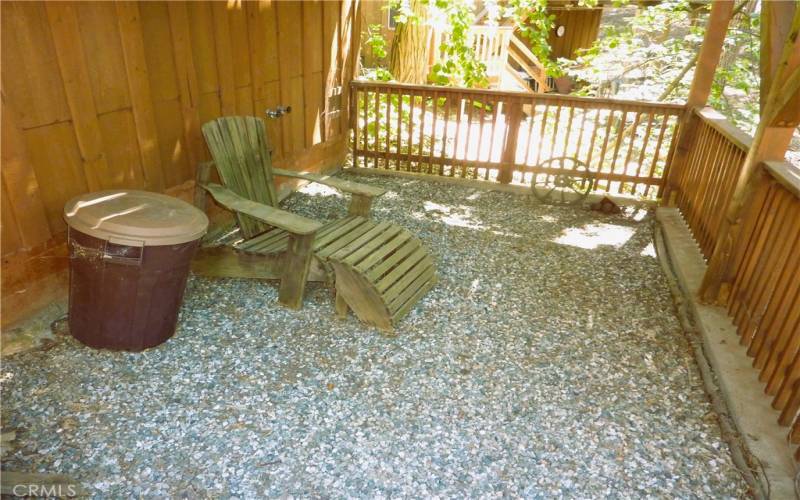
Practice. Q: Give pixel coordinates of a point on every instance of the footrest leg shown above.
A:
(341, 306)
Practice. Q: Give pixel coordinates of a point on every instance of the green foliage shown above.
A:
(459, 65)
(376, 42)
(534, 23)
(651, 56)
(452, 19)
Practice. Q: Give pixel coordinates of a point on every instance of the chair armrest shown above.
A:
(329, 180)
(275, 217)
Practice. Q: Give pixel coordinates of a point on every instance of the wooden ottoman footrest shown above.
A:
(383, 274)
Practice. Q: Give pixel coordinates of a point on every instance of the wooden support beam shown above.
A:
(776, 24)
(707, 61)
(509, 159)
(779, 118)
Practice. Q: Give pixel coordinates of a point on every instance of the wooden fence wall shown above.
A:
(103, 95)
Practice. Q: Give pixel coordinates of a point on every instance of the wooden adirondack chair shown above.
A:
(380, 269)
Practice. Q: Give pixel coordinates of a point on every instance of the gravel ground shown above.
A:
(536, 368)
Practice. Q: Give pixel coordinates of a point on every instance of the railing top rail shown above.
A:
(486, 27)
(786, 174)
(717, 121)
(673, 109)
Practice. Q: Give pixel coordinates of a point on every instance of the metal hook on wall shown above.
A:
(278, 111)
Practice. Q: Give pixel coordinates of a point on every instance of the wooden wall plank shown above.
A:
(162, 75)
(290, 46)
(330, 66)
(224, 60)
(72, 64)
(264, 67)
(313, 88)
(118, 130)
(203, 44)
(130, 30)
(26, 207)
(347, 12)
(188, 86)
(31, 80)
(56, 145)
(157, 37)
(240, 44)
(110, 89)
(104, 61)
(9, 231)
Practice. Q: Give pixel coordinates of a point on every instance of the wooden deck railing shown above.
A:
(706, 183)
(506, 136)
(764, 297)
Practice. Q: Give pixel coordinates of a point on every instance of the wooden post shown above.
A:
(513, 119)
(707, 61)
(779, 117)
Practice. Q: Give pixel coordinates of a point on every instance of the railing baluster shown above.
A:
(365, 129)
(356, 96)
(459, 114)
(468, 141)
(447, 112)
(423, 107)
(479, 148)
(654, 164)
(643, 151)
(388, 129)
(606, 136)
(567, 135)
(627, 161)
(399, 135)
(433, 132)
(617, 145)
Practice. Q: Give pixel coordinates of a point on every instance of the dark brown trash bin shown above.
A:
(130, 253)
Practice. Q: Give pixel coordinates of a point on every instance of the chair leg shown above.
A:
(295, 273)
(341, 306)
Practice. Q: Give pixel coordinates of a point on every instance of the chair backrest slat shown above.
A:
(238, 145)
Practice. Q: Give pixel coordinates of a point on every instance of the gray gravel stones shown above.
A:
(535, 369)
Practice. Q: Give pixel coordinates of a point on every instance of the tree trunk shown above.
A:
(408, 60)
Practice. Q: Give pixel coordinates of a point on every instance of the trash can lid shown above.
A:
(136, 218)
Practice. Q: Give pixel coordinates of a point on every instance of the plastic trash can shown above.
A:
(130, 253)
